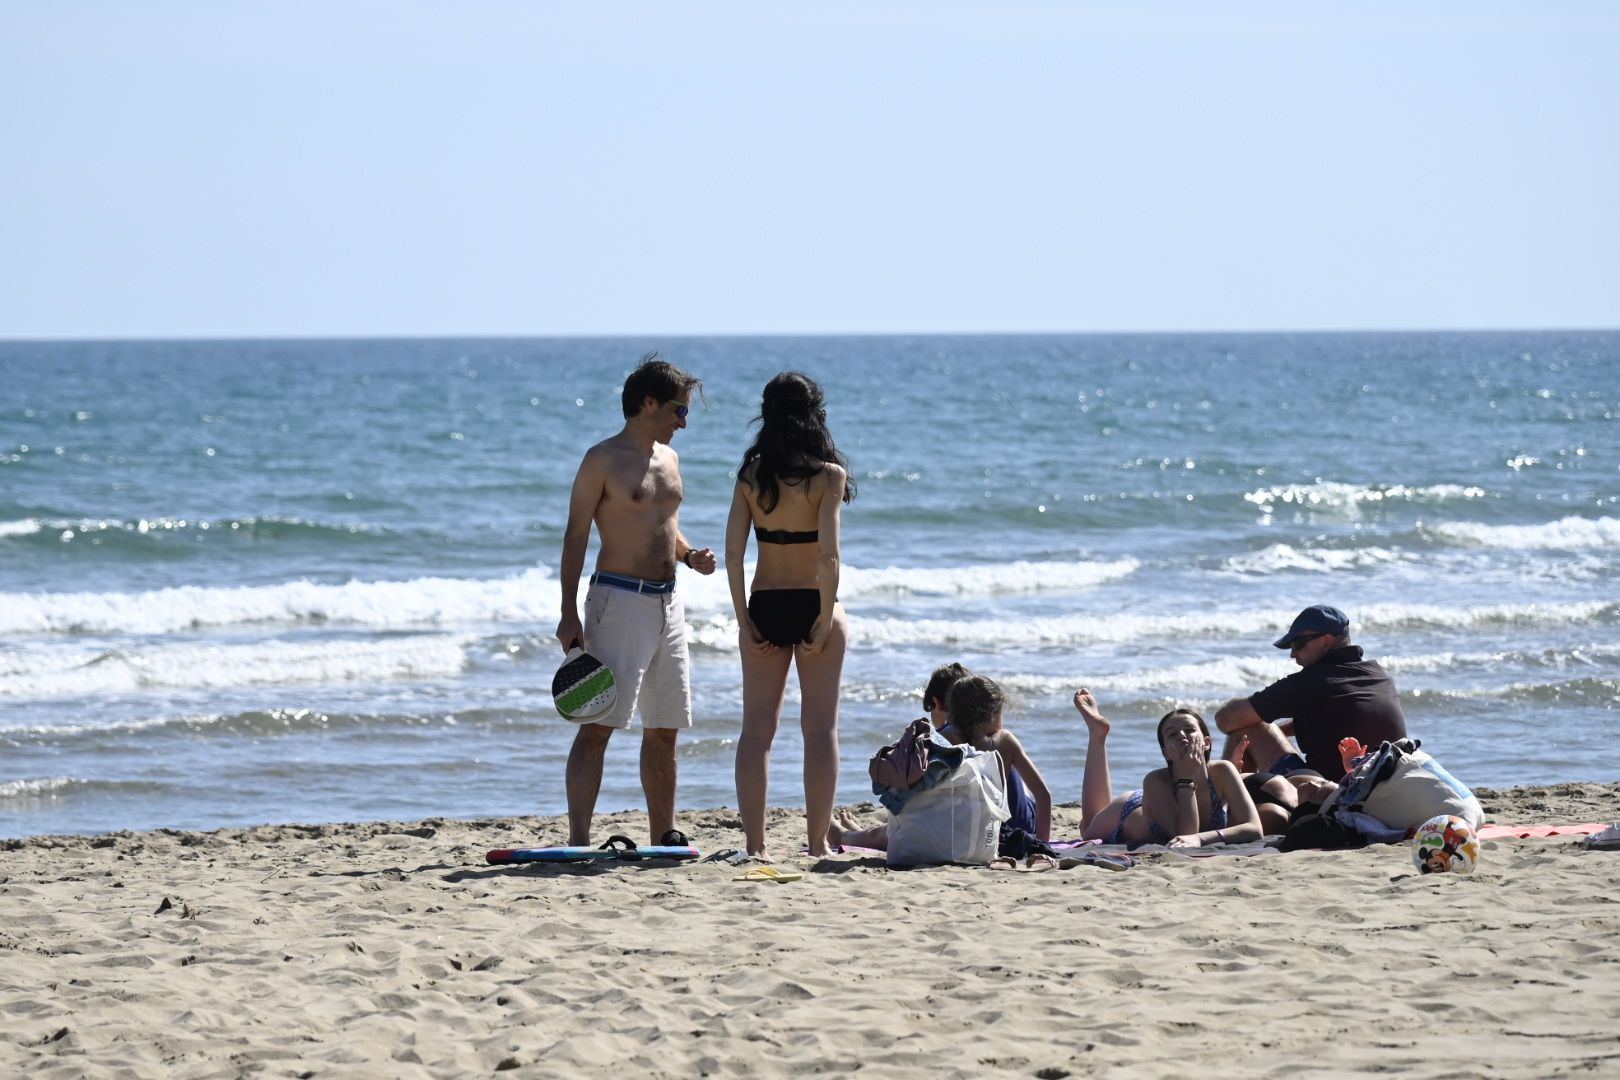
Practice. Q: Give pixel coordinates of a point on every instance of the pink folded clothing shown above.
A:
(1525, 832)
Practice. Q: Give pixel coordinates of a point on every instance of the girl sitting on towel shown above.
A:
(974, 705)
(1190, 802)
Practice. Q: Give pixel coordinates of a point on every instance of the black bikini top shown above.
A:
(782, 536)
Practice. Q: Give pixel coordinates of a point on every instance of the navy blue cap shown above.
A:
(1316, 619)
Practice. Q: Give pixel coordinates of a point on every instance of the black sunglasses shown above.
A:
(1303, 639)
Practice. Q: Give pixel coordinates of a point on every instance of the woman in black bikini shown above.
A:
(790, 488)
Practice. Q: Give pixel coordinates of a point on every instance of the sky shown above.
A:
(311, 169)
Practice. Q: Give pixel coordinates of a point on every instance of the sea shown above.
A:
(307, 581)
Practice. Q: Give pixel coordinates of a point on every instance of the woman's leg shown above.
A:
(764, 680)
(846, 830)
(1096, 785)
(820, 676)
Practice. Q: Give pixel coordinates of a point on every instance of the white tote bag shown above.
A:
(958, 820)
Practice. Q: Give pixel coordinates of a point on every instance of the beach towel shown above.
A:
(1526, 832)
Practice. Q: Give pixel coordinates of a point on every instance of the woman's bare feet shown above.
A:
(1091, 713)
(843, 821)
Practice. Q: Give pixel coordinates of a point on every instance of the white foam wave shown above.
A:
(1002, 634)
(1351, 500)
(1014, 577)
(25, 527)
(1565, 534)
(1223, 677)
(35, 787)
(531, 597)
(1282, 557)
(227, 666)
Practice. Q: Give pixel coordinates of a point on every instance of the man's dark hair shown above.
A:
(940, 682)
(657, 379)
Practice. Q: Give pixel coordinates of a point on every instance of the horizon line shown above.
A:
(772, 335)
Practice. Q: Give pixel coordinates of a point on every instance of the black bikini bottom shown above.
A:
(785, 616)
(1256, 783)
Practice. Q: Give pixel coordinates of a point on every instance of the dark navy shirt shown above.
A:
(1341, 695)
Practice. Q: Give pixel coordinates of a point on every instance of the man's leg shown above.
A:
(585, 779)
(666, 707)
(1266, 743)
(658, 779)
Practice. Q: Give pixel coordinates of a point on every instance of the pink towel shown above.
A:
(1525, 832)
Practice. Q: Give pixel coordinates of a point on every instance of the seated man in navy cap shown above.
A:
(1336, 694)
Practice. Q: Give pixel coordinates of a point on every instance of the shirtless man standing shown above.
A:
(630, 486)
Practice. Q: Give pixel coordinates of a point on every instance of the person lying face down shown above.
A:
(1190, 802)
(971, 715)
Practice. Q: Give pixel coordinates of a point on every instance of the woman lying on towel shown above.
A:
(1190, 802)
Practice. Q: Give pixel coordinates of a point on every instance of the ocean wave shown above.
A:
(36, 786)
(1583, 691)
(1065, 630)
(531, 597)
(1352, 500)
(1557, 659)
(270, 723)
(133, 535)
(1565, 534)
(217, 667)
(988, 580)
(1282, 557)
(60, 787)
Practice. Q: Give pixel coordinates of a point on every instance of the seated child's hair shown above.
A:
(938, 690)
(975, 702)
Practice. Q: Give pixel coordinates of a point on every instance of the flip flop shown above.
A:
(769, 873)
(1106, 860)
(1607, 840)
(727, 855)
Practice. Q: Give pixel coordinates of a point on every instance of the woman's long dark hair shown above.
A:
(793, 442)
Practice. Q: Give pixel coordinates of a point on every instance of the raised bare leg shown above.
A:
(1096, 785)
(584, 779)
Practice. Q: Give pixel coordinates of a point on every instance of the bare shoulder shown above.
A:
(1226, 774)
(831, 478)
(1158, 779)
(1006, 740)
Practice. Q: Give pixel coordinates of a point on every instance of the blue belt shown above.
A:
(632, 584)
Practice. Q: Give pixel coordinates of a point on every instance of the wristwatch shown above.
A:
(687, 558)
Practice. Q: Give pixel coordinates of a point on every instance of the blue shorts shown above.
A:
(1289, 764)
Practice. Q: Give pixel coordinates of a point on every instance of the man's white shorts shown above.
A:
(641, 637)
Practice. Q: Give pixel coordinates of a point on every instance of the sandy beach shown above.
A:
(392, 949)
